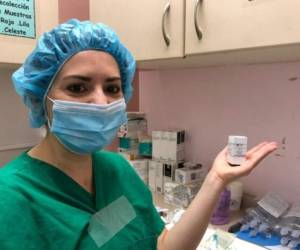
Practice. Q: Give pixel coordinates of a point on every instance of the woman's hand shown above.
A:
(187, 233)
(225, 173)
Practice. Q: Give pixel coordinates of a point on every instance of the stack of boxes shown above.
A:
(166, 173)
(129, 135)
(134, 144)
(161, 172)
(167, 156)
(179, 181)
(189, 180)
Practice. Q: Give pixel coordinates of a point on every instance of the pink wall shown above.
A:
(73, 9)
(134, 103)
(260, 101)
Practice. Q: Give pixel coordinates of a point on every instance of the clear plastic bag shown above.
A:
(257, 220)
(289, 229)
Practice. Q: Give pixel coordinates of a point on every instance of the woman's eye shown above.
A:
(113, 89)
(77, 88)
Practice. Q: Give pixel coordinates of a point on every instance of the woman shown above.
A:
(67, 193)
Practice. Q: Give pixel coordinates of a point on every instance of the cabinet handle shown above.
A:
(198, 30)
(163, 25)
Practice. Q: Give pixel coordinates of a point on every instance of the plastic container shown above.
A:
(221, 213)
(236, 195)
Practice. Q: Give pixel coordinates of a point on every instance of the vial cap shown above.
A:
(237, 139)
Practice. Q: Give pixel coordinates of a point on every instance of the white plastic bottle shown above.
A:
(237, 149)
(236, 191)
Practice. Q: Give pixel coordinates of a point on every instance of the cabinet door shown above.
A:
(13, 49)
(241, 24)
(139, 25)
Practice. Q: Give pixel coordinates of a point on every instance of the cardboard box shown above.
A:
(175, 146)
(156, 147)
(190, 174)
(152, 175)
(156, 180)
(135, 126)
(169, 170)
(168, 145)
(159, 178)
(164, 146)
(145, 148)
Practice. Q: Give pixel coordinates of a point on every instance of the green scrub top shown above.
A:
(43, 208)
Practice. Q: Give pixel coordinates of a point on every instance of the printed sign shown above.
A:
(17, 18)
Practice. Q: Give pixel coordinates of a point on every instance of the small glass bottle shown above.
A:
(237, 149)
(221, 213)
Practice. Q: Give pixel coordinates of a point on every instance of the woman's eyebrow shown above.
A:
(79, 77)
(113, 79)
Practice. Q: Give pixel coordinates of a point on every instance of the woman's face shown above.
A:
(89, 77)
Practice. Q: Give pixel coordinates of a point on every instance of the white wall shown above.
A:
(15, 133)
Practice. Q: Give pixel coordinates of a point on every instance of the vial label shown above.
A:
(237, 149)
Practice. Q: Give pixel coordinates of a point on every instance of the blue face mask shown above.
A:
(84, 128)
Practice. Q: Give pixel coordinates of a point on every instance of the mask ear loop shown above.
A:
(48, 122)
(50, 86)
(47, 117)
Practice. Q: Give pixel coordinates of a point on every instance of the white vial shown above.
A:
(285, 231)
(237, 149)
(296, 234)
(284, 241)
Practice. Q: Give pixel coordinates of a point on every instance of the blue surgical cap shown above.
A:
(34, 78)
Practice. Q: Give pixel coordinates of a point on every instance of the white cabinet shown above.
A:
(139, 24)
(233, 31)
(13, 49)
(241, 24)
